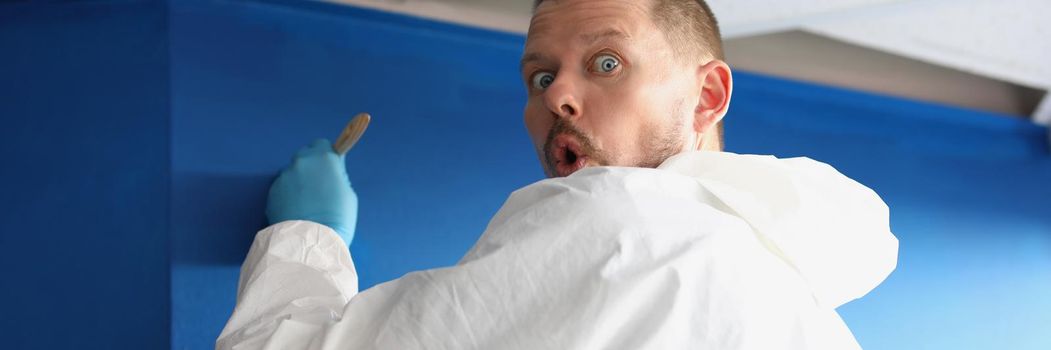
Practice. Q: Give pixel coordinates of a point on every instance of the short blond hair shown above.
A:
(690, 22)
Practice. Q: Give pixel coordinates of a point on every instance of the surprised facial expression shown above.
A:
(605, 87)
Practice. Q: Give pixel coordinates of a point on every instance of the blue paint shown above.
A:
(85, 174)
(211, 98)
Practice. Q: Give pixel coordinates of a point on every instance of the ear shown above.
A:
(716, 83)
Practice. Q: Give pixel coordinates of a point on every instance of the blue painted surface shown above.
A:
(84, 178)
(252, 81)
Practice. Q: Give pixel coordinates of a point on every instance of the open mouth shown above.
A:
(566, 155)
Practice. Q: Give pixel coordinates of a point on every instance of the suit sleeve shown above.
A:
(296, 280)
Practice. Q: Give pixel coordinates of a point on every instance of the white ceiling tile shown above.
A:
(1008, 40)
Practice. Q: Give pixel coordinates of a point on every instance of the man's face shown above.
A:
(605, 87)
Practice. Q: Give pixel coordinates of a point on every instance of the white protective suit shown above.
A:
(709, 251)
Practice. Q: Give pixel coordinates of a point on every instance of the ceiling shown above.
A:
(990, 55)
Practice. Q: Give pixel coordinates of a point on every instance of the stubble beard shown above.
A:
(661, 143)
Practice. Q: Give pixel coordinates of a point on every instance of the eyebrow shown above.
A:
(592, 38)
(586, 39)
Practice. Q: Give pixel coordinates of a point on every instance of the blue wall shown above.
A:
(251, 81)
(84, 179)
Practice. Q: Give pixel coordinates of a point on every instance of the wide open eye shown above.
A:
(541, 80)
(605, 63)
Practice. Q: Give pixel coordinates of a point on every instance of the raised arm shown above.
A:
(298, 275)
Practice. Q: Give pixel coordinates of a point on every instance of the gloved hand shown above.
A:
(315, 188)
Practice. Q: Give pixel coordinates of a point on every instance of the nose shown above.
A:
(562, 98)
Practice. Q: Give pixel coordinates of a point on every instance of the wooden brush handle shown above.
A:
(350, 135)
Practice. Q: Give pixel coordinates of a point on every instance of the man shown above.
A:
(647, 236)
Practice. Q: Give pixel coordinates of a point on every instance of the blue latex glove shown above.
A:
(315, 188)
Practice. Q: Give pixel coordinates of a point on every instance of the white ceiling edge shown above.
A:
(801, 55)
(448, 12)
(744, 18)
(947, 55)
